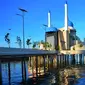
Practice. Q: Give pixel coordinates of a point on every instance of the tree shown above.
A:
(7, 39)
(28, 42)
(81, 45)
(73, 48)
(35, 44)
(49, 46)
(46, 45)
(19, 41)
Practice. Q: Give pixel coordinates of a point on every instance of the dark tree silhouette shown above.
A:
(19, 41)
(35, 44)
(7, 39)
(28, 42)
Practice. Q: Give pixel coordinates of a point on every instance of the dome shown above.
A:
(70, 23)
(52, 29)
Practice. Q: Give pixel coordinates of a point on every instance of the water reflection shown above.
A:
(45, 70)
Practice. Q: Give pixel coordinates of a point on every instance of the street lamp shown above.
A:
(45, 34)
(23, 10)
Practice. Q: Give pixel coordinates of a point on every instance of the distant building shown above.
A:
(63, 38)
(52, 37)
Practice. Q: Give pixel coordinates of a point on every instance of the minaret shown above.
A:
(49, 19)
(66, 15)
(66, 26)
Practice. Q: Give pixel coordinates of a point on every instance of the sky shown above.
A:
(37, 16)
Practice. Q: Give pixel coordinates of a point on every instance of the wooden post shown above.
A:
(48, 62)
(9, 73)
(44, 64)
(36, 66)
(24, 70)
(57, 61)
(60, 60)
(81, 59)
(0, 73)
(63, 60)
(67, 59)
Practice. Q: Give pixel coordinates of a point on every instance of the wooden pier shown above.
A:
(35, 56)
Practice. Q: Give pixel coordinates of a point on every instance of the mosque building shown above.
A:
(63, 38)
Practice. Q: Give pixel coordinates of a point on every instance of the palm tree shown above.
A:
(50, 46)
(28, 42)
(46, 45)
(19, 41)
(35, 44)
(7, 39)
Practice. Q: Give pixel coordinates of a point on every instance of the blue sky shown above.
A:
(36, 16)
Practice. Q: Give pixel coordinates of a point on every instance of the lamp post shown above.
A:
(23, 11)
(45, 34)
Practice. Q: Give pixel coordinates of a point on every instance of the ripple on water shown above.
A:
(80, 81)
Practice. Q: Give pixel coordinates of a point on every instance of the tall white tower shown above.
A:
(66, 26)
(49, 19)
(66, 15)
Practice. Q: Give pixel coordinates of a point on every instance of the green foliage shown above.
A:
(73, 48)
(57, 47)
(34, 44)
(46, 45)
(18, 41)
(28, 42)
(81, 45)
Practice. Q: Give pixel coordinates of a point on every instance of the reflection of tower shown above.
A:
(49, 19)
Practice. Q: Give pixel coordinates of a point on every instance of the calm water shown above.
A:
(68, 72)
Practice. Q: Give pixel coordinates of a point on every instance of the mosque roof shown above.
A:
(70, 23)
(51, 29)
